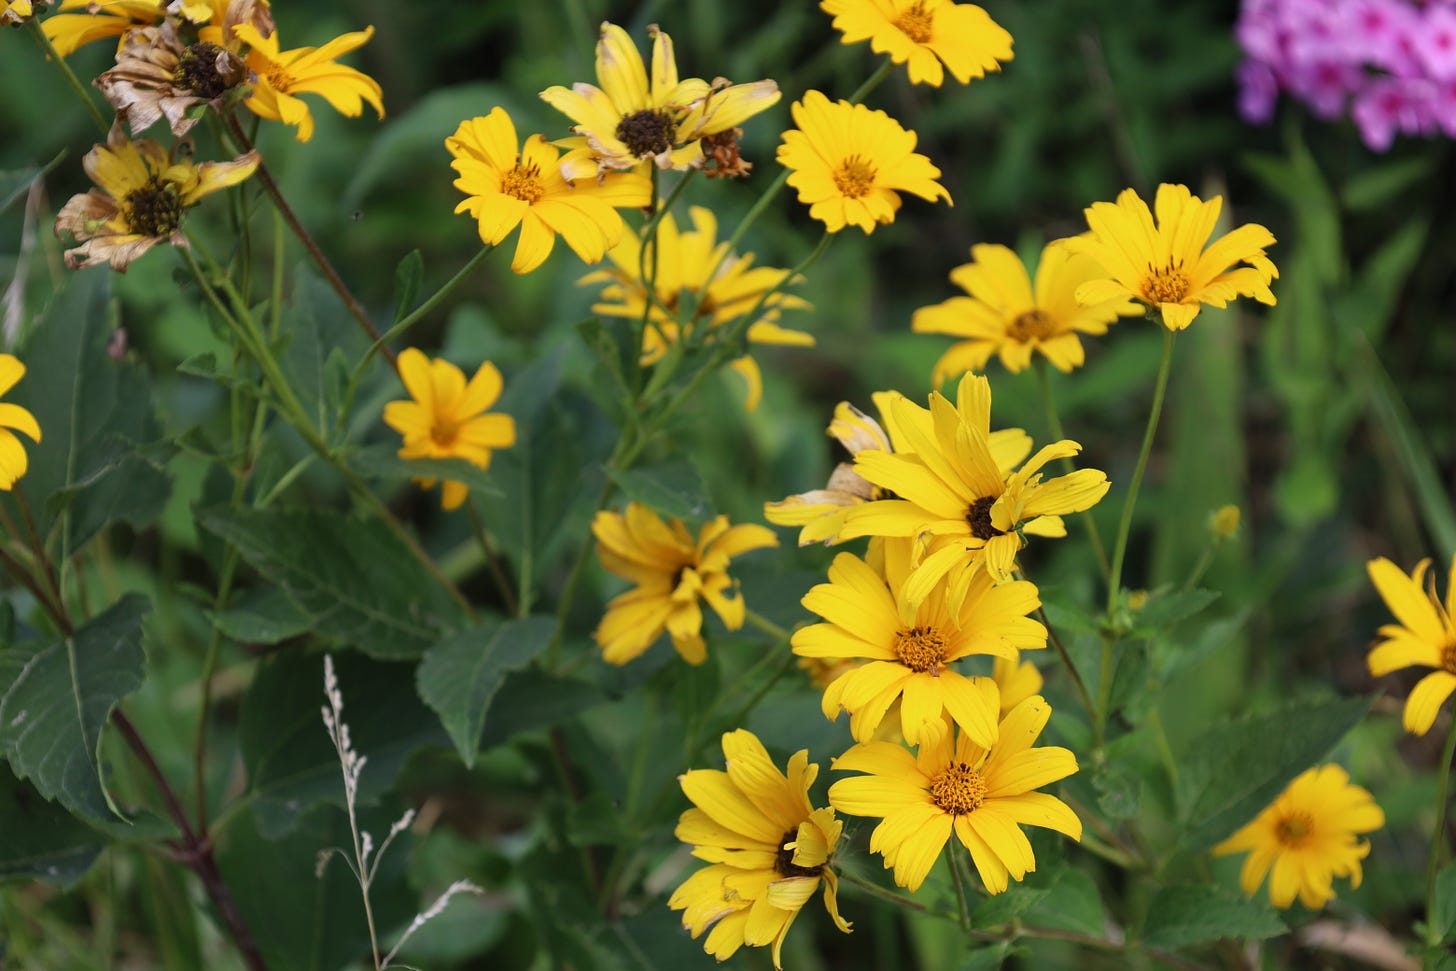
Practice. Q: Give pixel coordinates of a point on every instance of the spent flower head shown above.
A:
(159, 74)
(926, 34)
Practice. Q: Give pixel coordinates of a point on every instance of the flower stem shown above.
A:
(767, 626)
(493, 561)
(872, 82)
(1438, 834)
(1054, 425)
(36, 31)
(1061, 649)
(414, 316)
(890, 896)
(951, 860)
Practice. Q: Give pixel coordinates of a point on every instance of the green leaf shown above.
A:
(56, 697)
(318, 325)
(1376, 187)
(1443, 915)
(15, 183)
(988, 958)
(407, 277)
(673, 488)
(357, 580)
(533, 700)
(1006, 906)
(382, 462)
(1119, 790)
(264, 615)
(1073, 904)
(1163, 610)
(459, 676)
(1194, 914)
(42, 841)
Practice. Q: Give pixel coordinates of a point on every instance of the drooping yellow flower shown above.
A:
(1005, 315)
(1425, 636)
(15, 11)
(911, 647)
(1017, 680)
(507, 185)
(700, 286)
(140, 198)
(1170, 265)
(671, 571)
(927, 34)
(953, 784)
(13, 461)
(769, 849)
(1308, 837)
(68, 31)
(448, 418)
(283, 75)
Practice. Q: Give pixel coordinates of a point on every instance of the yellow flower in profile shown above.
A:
(1017, 680)
(447, 417)
(850, 163)
(926, 34)
(15, 11)
(699, 287)
(1005, 315)
(13, 461)
(508, 186)
(69, 31)
(283, 75)
(1170, 265)
(140, 198)
(768, 848)
(952, 784)
(1307, 837)
(671, 571)
(1425, 636)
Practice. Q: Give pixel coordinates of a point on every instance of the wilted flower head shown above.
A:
(158, 74)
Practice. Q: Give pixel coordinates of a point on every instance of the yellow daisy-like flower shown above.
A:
(690, 303)
(632, 119)
(671, 571)
(1170, 265)
(926, 34)
(140, 198)
(1308, 837)
(850, 163)
(69, 31)
(15, 11)
(13, 461)
(768, 847)
(507, 185)
(447, 417)
(1005, 315)
(1017, 680)
(911, 646)
(1425, 636)
(953, 784)
(283, 75)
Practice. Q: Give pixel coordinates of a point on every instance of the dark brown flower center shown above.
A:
(646, 133)
(1448, 657)
(958, 790)
(1032, 325)
(855, 177)
(921, 649)
(523, 182)
(197, 71)
(444, 431)
(1294, 829)
(1168, 285)
(784, 864)
(153, 209)
(917, 23)
(979, 519)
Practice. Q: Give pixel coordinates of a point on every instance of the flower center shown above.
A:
(1294, 829)
(1448, 657)
(921, 649)
(979, 519)
(646, 132)
(1032, 325)
(784, 864)
(279, 79)
(197, 71)
(523, 182)
(958, 790)
(153, 209)
(855, 177)
(917, 23)
(1168, 285)
(444, 431)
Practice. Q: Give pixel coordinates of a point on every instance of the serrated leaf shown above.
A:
(459, 676)
(56, 697)
(382, 462)
(265, 615)
(1163, 610)
(318, 325)
(533, 700)
(672, 488)
(42, 841)
(407, 277)
(1073, 904)
(1011, 903)
(1194, 914)
(1119, 790)
(1443, 915)
(988, 958)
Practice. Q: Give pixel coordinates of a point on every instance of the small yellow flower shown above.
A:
(850, 163)
(1005, 315)
(1017, 681)
(926, 34)
(69, 31)
(1308, 837)
(1425, 636)
(671, 571)
(1170, 265)
(13, 461)
(447, 418)
(1224, 523)
(954, 785)
(768, 848)
(283, 75)
(507, 185)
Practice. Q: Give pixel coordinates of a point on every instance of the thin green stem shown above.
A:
(419, 313)
(890, 896)
(1061, 650)
(573, 580)
(1054, 425)
(952, 859)
(751, 217)
(1438, 833)
(767, 626)
(492, 561)
(73, 82)
(872, 82)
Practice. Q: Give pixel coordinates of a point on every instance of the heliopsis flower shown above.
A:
(769, 850)
(850, 163)
(1425, 636)
(448, 418)
(953, 494)
(140, 198)
(926, 33)
(699, 286)
(953, 784)
(13, 462)
(283, 75)
(506, 186)
(671, 571)
(911, 647)
(631, 119)
(15, 11)
(1017, 680)
(68, 31)
(1171, 266)
(1308, 838)
(157, 74)
(1006, 316)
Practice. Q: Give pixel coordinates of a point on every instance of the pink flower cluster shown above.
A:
(1389, 64)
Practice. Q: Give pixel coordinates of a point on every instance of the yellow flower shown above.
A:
(1166, 265)
(15, 11)
(1308, 837)
(447, 418)
(850, 163)
(13, 462)
(1016, 681)
(911, 646)
(506, 186)
(926, 33)
(1425, 636)
(1006, 316)
(769, 850)
(68, 31)
(953, 784)
(1224, 523)
(283, 75)
(690, 304)
(140, 198)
